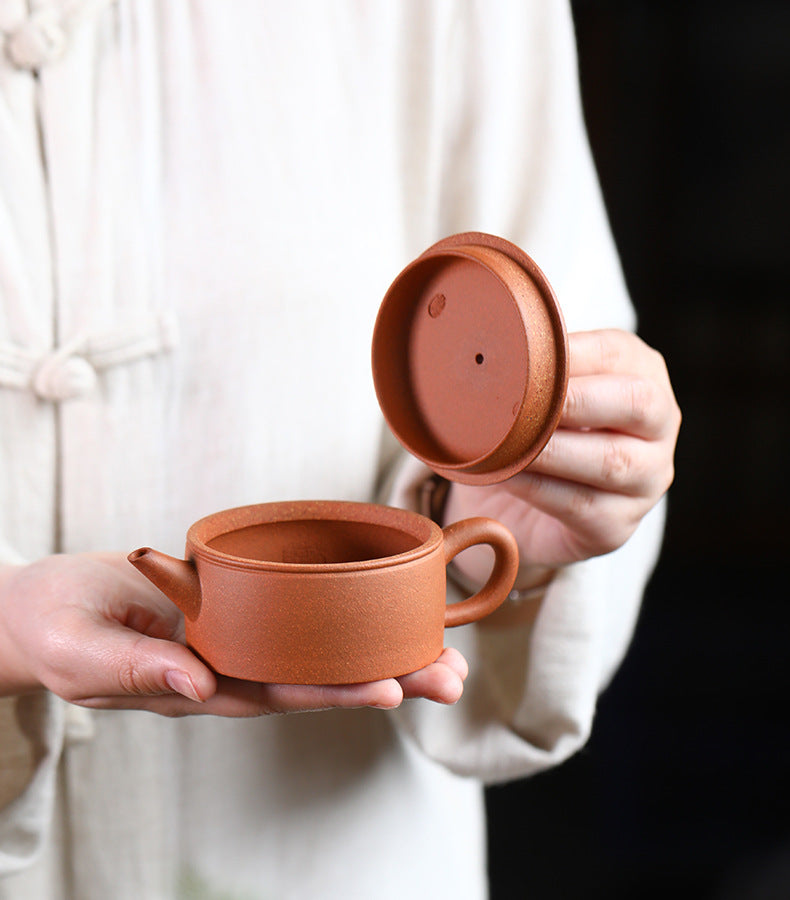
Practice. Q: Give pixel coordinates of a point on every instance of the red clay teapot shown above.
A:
(324, 592)
(470, 368)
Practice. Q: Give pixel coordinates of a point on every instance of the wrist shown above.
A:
(15, 674)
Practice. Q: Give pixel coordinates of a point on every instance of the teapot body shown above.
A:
(324, 592)
(320, 627)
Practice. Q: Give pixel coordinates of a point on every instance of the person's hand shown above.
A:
(605, 467)
(95, 632)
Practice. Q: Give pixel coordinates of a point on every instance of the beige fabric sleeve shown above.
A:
(530, 698)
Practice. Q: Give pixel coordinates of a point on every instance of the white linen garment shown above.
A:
(201, 207)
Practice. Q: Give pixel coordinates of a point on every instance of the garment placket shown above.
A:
(36, 36)
(92, 375)
(27, 316)
(105, 300)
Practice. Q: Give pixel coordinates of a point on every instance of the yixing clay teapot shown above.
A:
(470, 369)
(324, 592)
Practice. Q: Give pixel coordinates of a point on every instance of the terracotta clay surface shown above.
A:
(324, 592)
(470, 358)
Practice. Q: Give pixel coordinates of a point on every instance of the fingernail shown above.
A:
(182, 684)
(385, 705)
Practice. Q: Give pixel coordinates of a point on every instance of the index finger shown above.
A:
(611, 351)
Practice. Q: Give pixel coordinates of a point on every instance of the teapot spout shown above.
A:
(176, 578)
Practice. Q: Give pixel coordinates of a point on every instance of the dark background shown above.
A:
(684, 788)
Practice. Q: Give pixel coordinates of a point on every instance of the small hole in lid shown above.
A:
(479, 359)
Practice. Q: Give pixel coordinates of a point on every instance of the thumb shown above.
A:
(121, 662)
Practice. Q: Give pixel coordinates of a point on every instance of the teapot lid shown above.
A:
(470, 358)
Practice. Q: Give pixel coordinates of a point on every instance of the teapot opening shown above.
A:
(315, 541)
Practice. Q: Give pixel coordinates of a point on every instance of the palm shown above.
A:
(542, 538)
(118, 644)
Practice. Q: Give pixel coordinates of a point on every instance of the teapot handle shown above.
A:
(481, 530)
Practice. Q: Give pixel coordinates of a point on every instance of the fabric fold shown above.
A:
(33, 735)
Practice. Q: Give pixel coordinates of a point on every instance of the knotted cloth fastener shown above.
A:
(70, 371)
